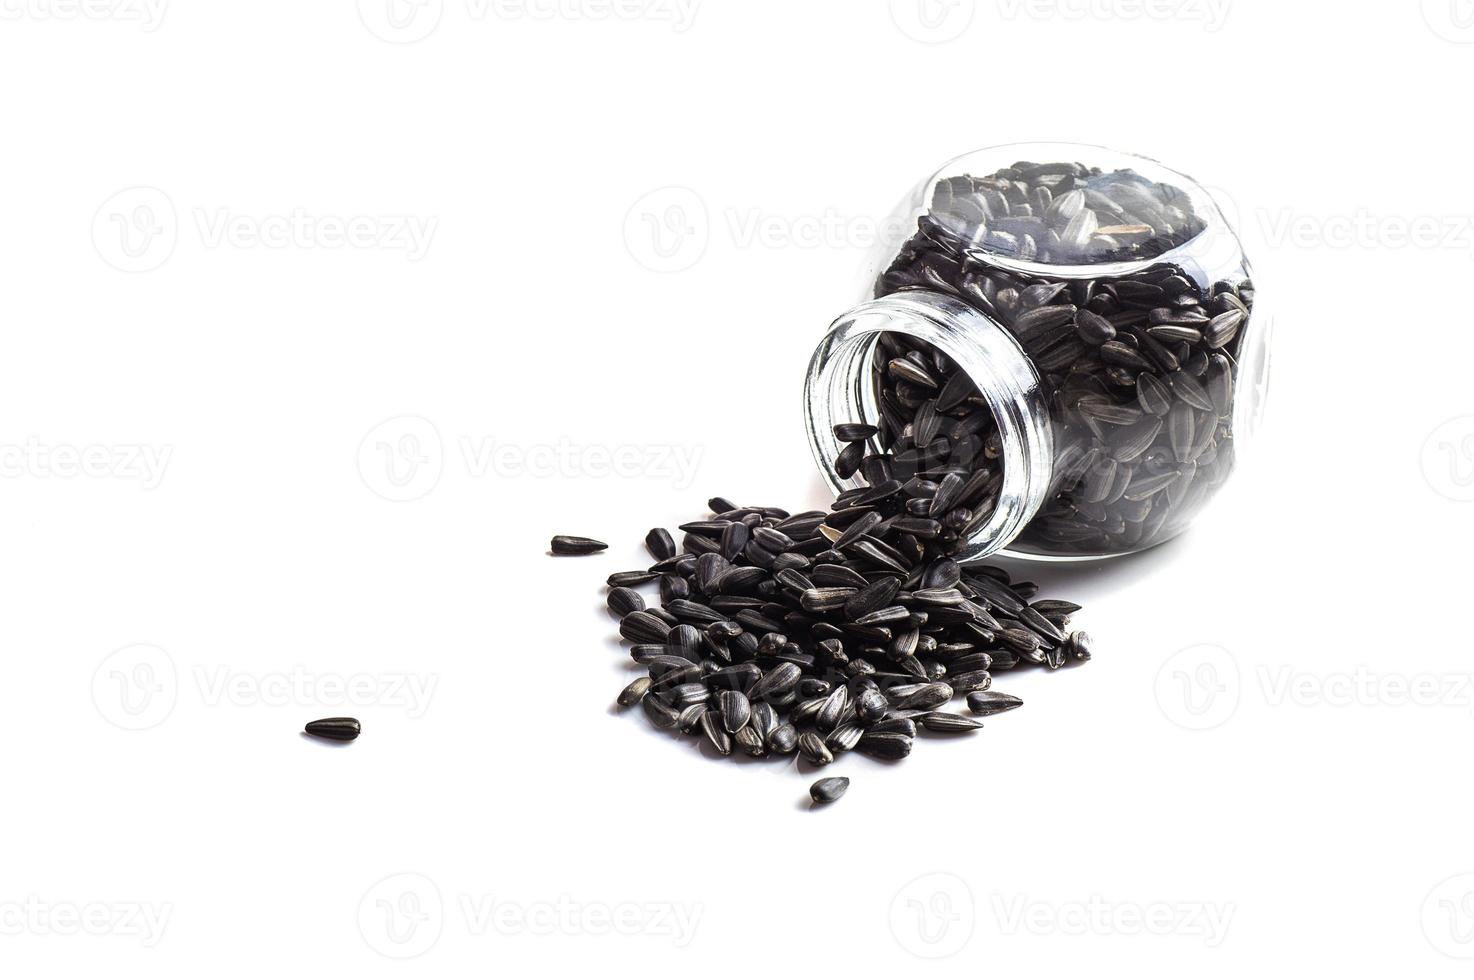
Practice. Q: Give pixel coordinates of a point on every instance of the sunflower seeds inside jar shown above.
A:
(1063, 358)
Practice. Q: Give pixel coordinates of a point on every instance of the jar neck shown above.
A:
(841, 388)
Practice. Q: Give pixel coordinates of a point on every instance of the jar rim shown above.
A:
(840, 388)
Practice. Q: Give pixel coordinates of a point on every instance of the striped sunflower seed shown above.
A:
(634, 691)
(813, 750)
(944, 721)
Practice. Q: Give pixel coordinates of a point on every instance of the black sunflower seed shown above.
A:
(943, 721)
(660, 544)
(634, 691)
(777, 681)
(885, 745)
(334, 729)
(830, 789)
(716, 736)
(750, 742)
(623, 601)
(736, 710)
(854, 432)
(628, 579)
(568, 544)
(991, 702)
(661, 715)
(847, 463)
(643, 627)
(813, 749)
(1078, 645)
(783, 740)
(874, 596)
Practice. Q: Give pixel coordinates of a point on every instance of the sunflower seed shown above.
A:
(844, 738)
(813, 749)
(991, 702)
(661, 715)
(777, 681)
(783, 740)
(764, 719)
(334, 729)
(874, 596)
(750, 742)
(885, 745)
(716, 736)
(735, 708)
(1078, 645)
(943, 721)
(623, 601)
(926, 696)
(854, 432)
(643, 627)
(830, 789)
(871, 705)
(628, 579)
(568, 544)
(634, 691)
(660, 544)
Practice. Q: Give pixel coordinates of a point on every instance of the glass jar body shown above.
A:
(1111, 331)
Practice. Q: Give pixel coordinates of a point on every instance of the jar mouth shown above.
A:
(841, 387)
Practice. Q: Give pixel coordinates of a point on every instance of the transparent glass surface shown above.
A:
(1124, 291)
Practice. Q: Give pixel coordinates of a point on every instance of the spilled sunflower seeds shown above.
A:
(825, 632)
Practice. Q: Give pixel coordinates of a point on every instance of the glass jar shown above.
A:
(1066, 356)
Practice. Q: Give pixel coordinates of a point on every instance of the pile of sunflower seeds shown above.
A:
(1140, 370)
(819, 633)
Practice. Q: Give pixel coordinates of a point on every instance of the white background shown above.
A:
(253, 411)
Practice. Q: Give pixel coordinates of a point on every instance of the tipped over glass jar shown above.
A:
(1062, 361)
